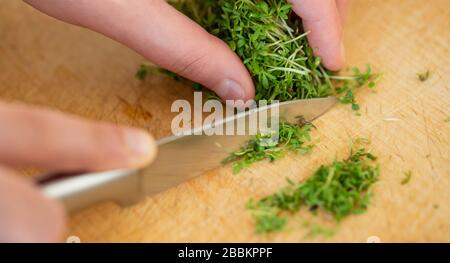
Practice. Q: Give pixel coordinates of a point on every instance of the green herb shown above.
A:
(142, 72)
(423, 76)
(172, 75)
(318, 230)
(267, 219)
(272, 146)
(272, 44)
(145, 69)
(448, 119)
(340, 188)
(407, 178)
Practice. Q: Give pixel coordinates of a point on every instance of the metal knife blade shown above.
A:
(179, 159)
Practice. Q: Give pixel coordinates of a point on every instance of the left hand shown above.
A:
(324, 19)
(164, 36)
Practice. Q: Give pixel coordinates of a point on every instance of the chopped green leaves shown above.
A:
(142, 72)
(145, 69)
(423, 76)
(340, 188)
(318, 230)
(407, 178)
(290, 137)
(266, 217)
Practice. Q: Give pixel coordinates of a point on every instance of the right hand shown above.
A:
(55, 142)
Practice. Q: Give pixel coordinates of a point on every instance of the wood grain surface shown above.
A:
(48, 63)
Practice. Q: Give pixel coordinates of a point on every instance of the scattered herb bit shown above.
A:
(272, 44)
(423, 76)
(340, 188)
(196, 86)
(407, 178)
(435, 206)
(318, 230)
(145, 69)
(267, 219)
(172, 75)
(290, 137)
(448, 119)
(142, 72)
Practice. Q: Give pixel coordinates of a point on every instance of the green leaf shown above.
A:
(355, 106)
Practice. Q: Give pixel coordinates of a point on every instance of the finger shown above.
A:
(321, 18)
(164, 36)
(26, 215)
(46, 139)
(342, 6)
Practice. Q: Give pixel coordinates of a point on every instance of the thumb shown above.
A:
(163, 35)
(26, 215)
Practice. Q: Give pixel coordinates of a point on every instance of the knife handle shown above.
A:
(80, 190)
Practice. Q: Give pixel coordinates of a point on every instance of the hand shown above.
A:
(324, 18)
(164, 36)
(56, 142)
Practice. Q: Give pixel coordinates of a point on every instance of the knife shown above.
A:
(179, 158)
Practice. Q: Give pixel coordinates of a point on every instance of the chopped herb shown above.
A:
(318, 230)
(172, 75)
(407, 178)
(143, 71)
(267, 219)
(196, 87)
(435, 206)
(290, 137)
(340, 188)
(448, 119)
(423, 76)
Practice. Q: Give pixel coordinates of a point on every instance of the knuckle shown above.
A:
(194, 63)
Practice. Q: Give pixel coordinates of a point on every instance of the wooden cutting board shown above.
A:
(49, 63)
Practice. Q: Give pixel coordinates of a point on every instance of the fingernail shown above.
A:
(139, 142)
(230, 90)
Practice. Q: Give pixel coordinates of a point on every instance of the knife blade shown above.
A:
(179, 158)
